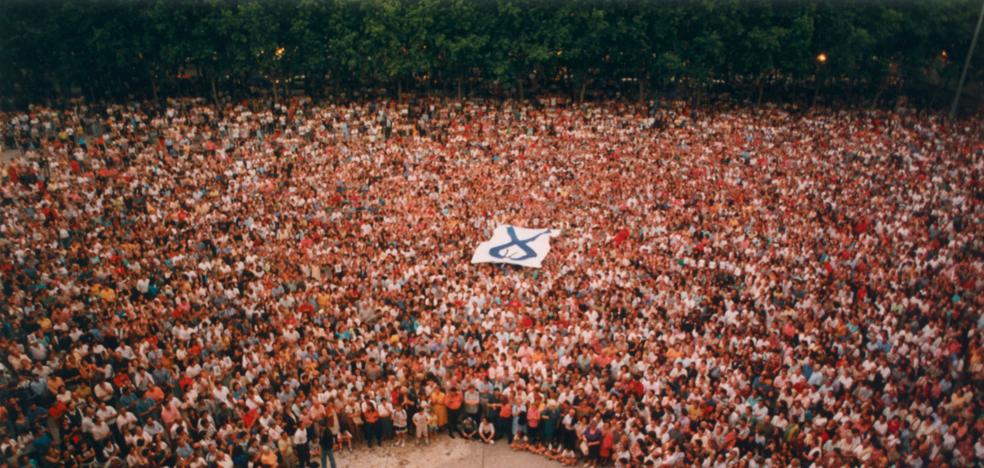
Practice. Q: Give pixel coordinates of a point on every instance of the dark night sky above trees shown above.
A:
(51, 49)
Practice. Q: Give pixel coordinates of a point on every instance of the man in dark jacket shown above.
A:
(327, 440)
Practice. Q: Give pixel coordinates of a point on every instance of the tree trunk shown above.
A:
(399, 90)
(519, 84)
(244, 84)
(215, 92)
(59, 91)
(816, 90)
(642, 91)
(881, 90)
(760, 83)
(584, 89)
(460, 92)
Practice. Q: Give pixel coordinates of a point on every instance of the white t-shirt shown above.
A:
(300, 436)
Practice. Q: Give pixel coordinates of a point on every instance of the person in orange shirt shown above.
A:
(371, 427)
(155, 393)
(453, 401)
(505, 418)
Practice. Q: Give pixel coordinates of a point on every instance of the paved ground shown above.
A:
(444, 453)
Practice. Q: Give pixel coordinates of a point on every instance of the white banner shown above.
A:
(515, 245)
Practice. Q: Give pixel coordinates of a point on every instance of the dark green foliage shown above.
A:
(154, 48)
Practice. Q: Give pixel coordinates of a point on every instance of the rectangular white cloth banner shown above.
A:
(516, 245)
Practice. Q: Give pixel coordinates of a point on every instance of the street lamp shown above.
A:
(821, 60)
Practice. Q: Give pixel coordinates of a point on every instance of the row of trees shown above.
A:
(153, 48)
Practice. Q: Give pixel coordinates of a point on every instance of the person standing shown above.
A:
(327, 441)
(473, 400)
(505, 419)
(568, 431)
(400, 425)
(440, 410)
(548, 425)
(533, 424)
(301, 447)
(420, 420)
(453, 401)
(593, 437)
(519, 423)
(385, 408)
(371, 422)
(607, 443)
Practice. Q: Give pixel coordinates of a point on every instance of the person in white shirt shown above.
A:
(400, 425)
(420, 421)
(126, 420)
(301, 446)
(100, 430)
(106, 412)
(103, 390)
(486, 431)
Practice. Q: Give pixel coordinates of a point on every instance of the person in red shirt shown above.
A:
(607, 442)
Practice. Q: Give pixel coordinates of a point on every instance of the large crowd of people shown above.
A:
(258, 284)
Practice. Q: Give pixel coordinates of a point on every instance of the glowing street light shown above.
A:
(279, 53)
(822, 58)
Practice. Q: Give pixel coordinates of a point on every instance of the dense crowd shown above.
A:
(200, 285)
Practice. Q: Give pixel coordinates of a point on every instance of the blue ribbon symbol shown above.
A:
(521, 243)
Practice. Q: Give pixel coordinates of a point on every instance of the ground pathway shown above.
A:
(445, 453)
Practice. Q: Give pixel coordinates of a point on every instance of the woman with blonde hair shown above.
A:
(437, 403)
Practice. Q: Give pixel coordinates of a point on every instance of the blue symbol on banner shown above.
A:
(529, 253)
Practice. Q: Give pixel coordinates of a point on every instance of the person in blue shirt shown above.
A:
(41, 443)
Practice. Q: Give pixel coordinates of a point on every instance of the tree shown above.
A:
(460, 40)
(150, 48)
